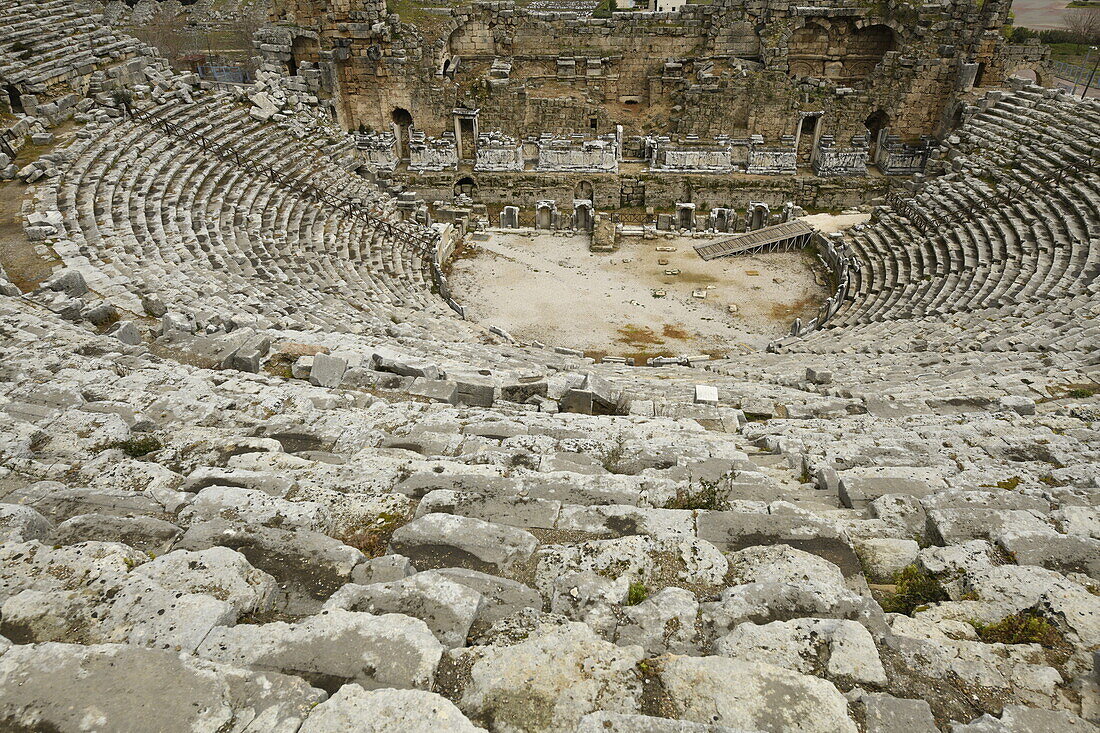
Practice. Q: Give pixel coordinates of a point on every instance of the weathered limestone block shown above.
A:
(550, 680)
(334, 647)
(352, 708)
(446, 540)
(447, 607)
(752, 695)
(124, 687)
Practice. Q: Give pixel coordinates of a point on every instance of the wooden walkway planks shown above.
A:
(788, 235)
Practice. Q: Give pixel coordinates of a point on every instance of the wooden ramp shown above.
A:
(788, 235)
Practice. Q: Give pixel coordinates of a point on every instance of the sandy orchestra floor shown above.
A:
(550, 288)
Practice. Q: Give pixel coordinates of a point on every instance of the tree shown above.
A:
(164, 30)
(1084, 23)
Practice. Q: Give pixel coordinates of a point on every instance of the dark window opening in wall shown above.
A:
(594, 123)
(631, 102)
(291, 66)
(875, 124)
(957, 118)
(14, 98)
(403, 122)
(809, 124)
(467, 186)
(980, 75)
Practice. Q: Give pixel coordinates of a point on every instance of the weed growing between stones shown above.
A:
(710, 495)
(637, 593)
(1019, 628)
(915, 590)
(136, 447)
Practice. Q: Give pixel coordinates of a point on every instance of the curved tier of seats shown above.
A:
(47, 43)
(1012, 224)
(148, 212)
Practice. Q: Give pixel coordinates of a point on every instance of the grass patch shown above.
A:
(373, 541)
(613, 455)
(675, 332)
(914, 590)
(1019, 628)
(706, 495)
(637, 335)
(136, 447)
(637, 593)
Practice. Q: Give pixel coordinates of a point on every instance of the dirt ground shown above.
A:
(550, 288)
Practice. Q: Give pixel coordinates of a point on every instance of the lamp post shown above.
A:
(1092, 73)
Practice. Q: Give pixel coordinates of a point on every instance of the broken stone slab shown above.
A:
(706, 394)
(516, 511)
(751, 695)
(1064, 553)
(474, 391)
(219, 572)
(248, 356)
(434, 390)
(148, 534)
(605, 722)
(269, 483)
(55, 686)
(815, 375)
(859, 487)
(19, 523)
(58, 502)
(887, 714)
(736, 530)
(1020, 719)
(955, 526)
(333, 648)
(407, 369)
(327, 370)
(447, 607)
(1017, 403)
(70, 282)
(883, 558)
(383, 569)
(567, 668)
(256, 508)
(353, 708)
(524, 389)
(840, 650)
(502, 597)
(309, 566)
(32, 565)
(663, 623)
(126, 332)
(447, 540)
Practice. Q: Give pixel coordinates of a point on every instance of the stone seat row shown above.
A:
(158, 205)
(984, 252)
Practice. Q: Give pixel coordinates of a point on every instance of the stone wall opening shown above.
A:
(14, 99)
(466, 186)
(303, 49)
(402, 127)
(876, 125)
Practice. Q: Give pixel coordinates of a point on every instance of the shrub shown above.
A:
(136, 447)
(914, 588)
(637, 593)
(710, 495)
(613, 455)
(373, 541)
(1019, 628)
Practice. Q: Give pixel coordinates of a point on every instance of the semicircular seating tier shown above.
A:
(1009, 231)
